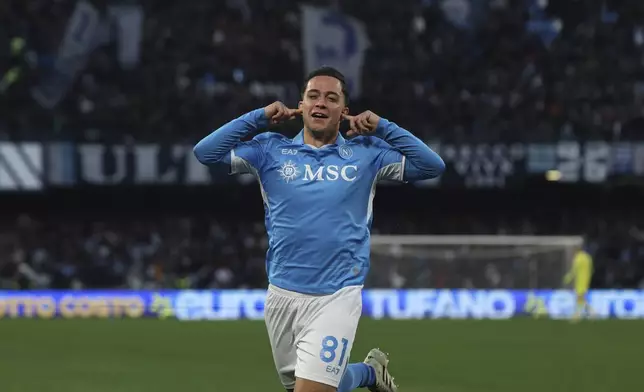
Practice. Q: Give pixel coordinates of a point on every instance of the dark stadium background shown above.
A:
(505, 81)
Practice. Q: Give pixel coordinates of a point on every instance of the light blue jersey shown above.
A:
(318, 201)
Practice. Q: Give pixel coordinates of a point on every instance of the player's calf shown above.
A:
(304, 385)
(357, 375)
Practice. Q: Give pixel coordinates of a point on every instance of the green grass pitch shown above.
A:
(520, 355)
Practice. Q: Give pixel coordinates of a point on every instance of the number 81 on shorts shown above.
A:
(328, 354)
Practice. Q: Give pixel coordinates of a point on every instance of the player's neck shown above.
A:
(319, 140)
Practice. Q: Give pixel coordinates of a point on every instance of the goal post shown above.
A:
(471, 261)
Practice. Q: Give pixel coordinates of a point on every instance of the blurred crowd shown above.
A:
(455, 70)
(450, 69)
(202, 251)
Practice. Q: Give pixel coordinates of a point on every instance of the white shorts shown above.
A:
(312, 336)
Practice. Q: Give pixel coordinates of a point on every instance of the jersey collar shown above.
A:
(299, 139)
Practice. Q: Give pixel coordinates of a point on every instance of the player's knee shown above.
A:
(303, 385)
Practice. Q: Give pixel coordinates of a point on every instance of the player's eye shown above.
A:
(333, 99)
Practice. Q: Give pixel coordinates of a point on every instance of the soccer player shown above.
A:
(318, 191)
(581, 272)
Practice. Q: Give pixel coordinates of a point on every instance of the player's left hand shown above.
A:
(362, 124)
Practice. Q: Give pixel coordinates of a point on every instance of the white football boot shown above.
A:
(379, 362)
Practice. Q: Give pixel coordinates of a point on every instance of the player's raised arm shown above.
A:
(222, 143)
(420, 163)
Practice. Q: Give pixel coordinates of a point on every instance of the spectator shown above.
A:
(504, 70)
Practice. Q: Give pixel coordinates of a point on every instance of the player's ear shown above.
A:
(345, 110)
(299, 105)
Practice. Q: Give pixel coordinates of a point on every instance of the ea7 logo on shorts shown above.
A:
(331, 173)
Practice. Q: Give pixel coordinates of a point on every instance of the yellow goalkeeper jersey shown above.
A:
(582, 269)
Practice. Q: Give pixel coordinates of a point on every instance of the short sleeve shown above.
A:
(391, 164)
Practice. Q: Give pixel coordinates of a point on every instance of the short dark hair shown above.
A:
(332, 72)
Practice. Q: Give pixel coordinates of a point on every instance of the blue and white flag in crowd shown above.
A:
(547, 30)
(79, 41)
(458, 12)
(333, 39)
(88, 28)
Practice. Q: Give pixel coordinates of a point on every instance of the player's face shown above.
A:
(323, 104)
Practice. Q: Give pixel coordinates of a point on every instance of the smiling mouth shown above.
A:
(319, 115)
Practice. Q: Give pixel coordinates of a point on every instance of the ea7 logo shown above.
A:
(289, 151)
(330, 173)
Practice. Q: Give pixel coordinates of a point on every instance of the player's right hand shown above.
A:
(277, 112)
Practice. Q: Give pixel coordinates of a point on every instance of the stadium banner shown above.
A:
(188, 305)
(21, 167)
(482, 165)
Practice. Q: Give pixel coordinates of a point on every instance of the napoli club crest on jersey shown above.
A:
(288, 171)
(346, 152)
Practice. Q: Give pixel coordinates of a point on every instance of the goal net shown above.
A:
(470, 262)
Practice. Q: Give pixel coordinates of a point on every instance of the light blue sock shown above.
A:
(357, 375)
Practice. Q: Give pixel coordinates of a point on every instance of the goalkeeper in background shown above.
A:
(581, 272)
